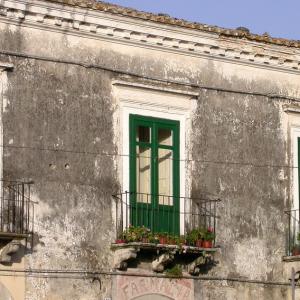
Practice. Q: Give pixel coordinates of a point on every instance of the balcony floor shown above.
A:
(12, 236)
(152, 246)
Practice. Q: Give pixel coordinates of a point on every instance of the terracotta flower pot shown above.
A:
(207, 244)
(296, 251)
(199, 243)
(171, 242)
(163, 240)
(120, 241)
(145, 240)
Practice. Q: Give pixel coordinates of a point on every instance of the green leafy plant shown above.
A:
(194, 235)
(163, 234)
(136, 233)
(179, 240)
(175, 271)
(172, 239)
(153, 238)
(208, 234)
(143, 234)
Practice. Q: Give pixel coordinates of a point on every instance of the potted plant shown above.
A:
(121, 240)
(130, 234)
(199, 243)
(144, 233)
(136, 234)
(153, 238)
(208, 238)
(163, 238)
(194, 237)
(296, 250)
(172, 239)
(179, 240)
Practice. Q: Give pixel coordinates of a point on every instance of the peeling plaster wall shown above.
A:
(246, 132)
(56, 106)
(63, 106)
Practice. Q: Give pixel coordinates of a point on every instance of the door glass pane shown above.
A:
(165, 136)
(143, 173)
(165, 176)
(143, 134)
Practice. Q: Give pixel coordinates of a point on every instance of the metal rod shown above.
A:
(215, 224)
(27, 206)
(289, 236)
(22, 209)
(293, 284)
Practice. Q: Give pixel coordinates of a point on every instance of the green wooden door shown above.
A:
(154, 173)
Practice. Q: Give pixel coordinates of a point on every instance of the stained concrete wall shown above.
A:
(245, 132)
(69, 107)
(235, 291)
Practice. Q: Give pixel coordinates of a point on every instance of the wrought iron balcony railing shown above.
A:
(293, 232)
(15, 208)
(164, 214)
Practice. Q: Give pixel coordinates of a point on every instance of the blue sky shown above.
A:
(280, 18)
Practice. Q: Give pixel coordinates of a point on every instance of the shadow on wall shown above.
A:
(4, 293)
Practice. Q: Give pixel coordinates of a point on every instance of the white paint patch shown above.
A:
(97, 166)
(97, 140)
(250, 258)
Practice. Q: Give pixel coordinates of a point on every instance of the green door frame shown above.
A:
(158, 217)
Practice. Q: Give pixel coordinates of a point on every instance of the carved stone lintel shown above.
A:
(9, 249)
(158, 265)
(194, 267)
(121, 256)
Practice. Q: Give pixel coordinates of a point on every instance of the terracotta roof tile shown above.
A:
(166, 19)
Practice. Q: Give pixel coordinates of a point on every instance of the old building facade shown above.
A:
(105, 108)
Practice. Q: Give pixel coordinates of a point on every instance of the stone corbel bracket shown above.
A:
(4, 66)
(195, 266)
(9, 249)
(121, 257)
(158, 265)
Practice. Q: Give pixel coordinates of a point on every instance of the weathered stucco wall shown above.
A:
(59, 131)
(244, 131)
(68, 108)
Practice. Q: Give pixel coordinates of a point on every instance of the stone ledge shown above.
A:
(291, 258)
(12, 236)
(164, 247)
